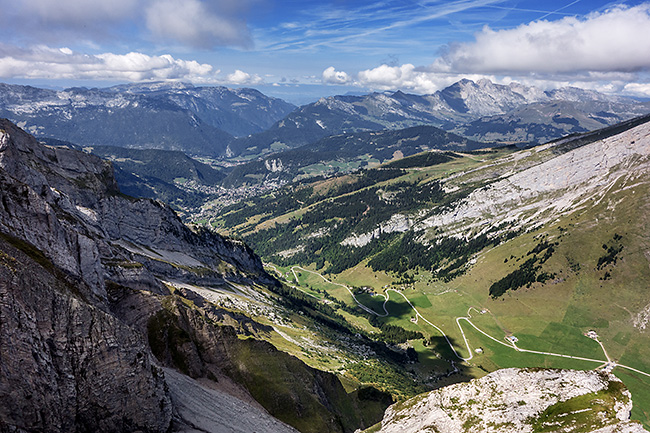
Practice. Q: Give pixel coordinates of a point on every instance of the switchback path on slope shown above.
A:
(512, 344)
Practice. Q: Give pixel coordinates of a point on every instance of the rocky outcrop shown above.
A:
(397, 223)
(519, 400)
(273, 165)
(67, 204)
(642, 318)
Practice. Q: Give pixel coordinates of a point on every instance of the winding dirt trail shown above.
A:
(510, 344)
(359, 303)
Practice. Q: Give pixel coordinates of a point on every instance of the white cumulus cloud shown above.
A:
(617, 39)
(408, 77)
(243, 78)
(332, 76)
(637, 89)
(390, 77)
(43, 62)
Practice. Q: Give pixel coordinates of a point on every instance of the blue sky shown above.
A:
(300, 50)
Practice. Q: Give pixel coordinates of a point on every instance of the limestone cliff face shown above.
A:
(67, 204)
(518, 401)
(66, 366)
(68, 242)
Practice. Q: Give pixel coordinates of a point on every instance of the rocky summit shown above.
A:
(519, 400)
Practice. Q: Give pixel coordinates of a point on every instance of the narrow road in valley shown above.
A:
(604, 351)
(512, 344)
(360, 304)
(277, 271)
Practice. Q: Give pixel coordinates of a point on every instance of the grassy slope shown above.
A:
(546, 317)
(553, 316)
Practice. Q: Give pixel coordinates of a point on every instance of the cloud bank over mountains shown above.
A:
(189, 24)
(195, 40)
(617, 40)
(43, 62)
(607, 51)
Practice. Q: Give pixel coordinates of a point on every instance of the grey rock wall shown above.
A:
(66, 366)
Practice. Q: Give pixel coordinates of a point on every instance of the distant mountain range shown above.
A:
(481, 110)
(239, 112)
(198, 121)
(206, 120)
